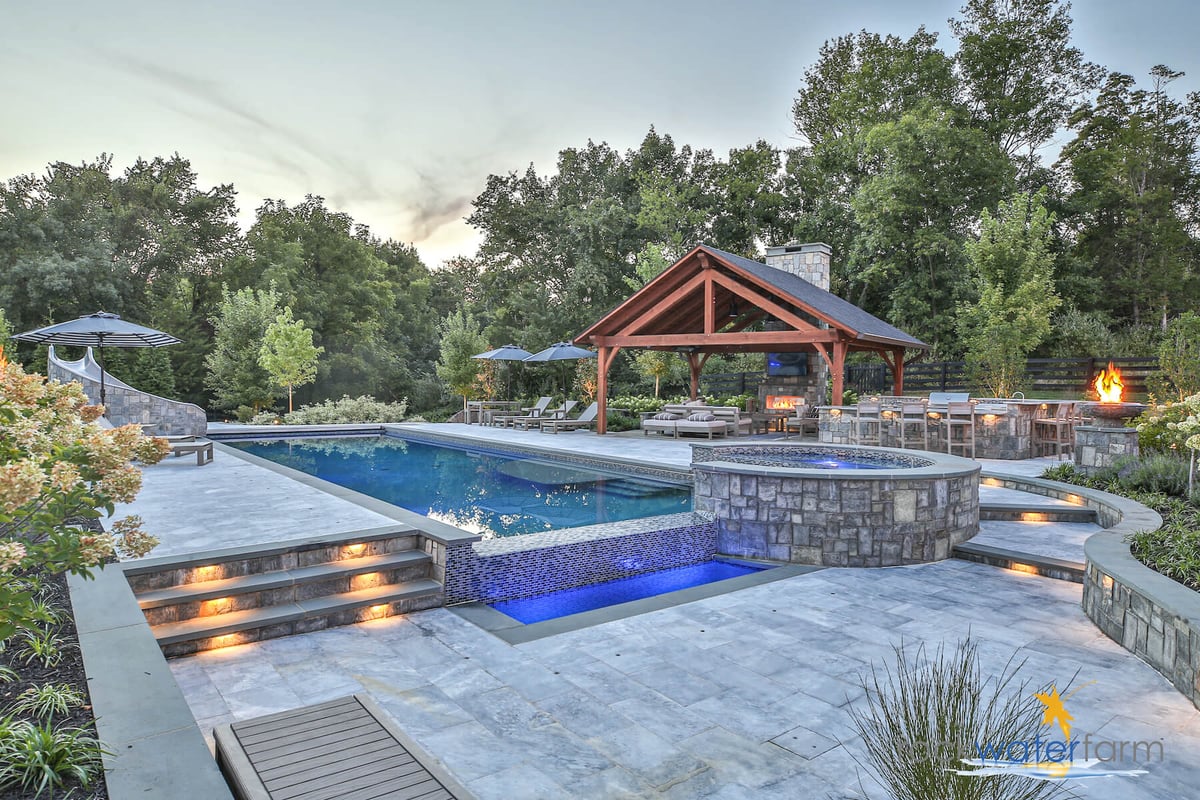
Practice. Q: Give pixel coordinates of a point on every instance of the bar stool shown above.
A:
(914, 414)
(1056, 433)
(869, 413)
(960, 415)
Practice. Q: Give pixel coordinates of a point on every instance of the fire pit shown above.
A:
(1107, 439)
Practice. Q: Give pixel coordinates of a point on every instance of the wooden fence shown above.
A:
(1044, 377)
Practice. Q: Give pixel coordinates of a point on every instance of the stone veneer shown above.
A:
(127, 406)
(1098, 447)
(810, 262)
(837, 517)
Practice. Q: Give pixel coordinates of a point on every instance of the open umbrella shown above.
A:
(561, 351)
(509, 352)
(98, 330)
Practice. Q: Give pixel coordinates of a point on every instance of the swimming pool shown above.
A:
(485, 492)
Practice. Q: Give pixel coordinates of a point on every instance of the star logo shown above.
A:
(1055, 711)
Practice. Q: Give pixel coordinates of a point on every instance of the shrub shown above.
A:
(40, 758)
(637, 403)
(1157, 472)
(344, 411)
(1179, 358)
(48, 699)
(622, 422)
(926, 714)
(1167, 428)
(57, 472)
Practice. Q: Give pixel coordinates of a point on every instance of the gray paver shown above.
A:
(756, 671)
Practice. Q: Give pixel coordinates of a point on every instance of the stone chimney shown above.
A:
(808, 261)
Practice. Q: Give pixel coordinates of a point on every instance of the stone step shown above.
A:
(162, 572)
(302, 616)
(208, 598)
(1035, 512)
(1046, 566)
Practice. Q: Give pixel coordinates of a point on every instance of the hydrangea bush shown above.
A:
(57, 471)
(1171, 428)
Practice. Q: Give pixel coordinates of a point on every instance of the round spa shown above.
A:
(836, 505)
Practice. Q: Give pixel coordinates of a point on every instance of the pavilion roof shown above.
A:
(670, 311)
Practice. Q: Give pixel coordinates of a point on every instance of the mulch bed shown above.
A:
(69, 671)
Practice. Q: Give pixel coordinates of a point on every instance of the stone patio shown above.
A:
(743, 695)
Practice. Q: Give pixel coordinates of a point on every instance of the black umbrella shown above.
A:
(98, 330)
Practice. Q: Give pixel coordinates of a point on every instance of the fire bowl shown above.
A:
(1111, 412)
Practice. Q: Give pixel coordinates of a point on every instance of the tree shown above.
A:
(235, 375)
(1020, 74)
(288, 353)
(461, 339)
(1135, 201)
(1179, 358)
(1012, 268)
(932, 176)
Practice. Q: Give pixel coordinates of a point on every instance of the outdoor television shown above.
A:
(786, 365)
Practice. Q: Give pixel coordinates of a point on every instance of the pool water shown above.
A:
(623, 590)
(480, 491)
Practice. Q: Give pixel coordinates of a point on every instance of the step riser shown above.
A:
(307, 625)
(1040, 515)
(1055, 571)
(285, 594)
(256, 565)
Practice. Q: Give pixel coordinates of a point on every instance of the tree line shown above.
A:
(1002, 188)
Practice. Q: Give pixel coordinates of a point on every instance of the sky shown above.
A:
(397, 111)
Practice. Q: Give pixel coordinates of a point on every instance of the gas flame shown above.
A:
(1109, 384)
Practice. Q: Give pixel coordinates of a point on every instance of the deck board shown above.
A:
(344, 749)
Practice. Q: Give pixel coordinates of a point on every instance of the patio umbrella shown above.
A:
(98, 330)
(561, 351)
(509, 352)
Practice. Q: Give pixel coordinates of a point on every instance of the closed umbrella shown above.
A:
(98, 330)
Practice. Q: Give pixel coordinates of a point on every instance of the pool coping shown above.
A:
(512, 632)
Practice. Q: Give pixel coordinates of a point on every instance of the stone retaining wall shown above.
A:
(125, 406)
(1148, 614)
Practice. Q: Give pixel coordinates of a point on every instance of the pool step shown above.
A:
(248, 594)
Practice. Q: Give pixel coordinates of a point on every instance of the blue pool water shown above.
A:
(622, 590)
(479, 491)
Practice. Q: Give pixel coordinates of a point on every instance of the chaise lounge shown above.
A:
(585, 420)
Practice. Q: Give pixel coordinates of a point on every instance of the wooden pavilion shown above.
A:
(711, 301)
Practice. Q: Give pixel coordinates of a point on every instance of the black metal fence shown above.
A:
(1044, 376)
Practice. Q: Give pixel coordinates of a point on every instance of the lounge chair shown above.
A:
(504, 419)
(530, 420)
(585, 420)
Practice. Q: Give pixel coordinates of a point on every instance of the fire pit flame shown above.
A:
(1109, 385)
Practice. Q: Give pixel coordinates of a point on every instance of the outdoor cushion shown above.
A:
(666, 415)
(701, 416)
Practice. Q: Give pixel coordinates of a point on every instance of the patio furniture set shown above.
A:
(960, 424)
(539, 416)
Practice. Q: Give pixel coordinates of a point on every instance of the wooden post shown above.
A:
(602, 361)
(839, 370)
(694, 366)
(898, 372)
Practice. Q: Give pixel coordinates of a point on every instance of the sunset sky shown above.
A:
(396, 112)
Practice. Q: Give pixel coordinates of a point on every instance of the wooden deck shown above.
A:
(344, 749)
